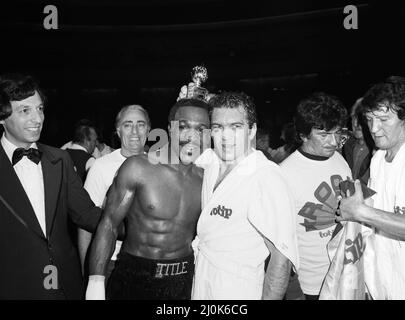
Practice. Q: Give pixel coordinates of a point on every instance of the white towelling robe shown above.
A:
(251, 202)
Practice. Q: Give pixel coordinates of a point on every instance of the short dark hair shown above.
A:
(82, 131)
(389, 93)
(16, 87)
(188, 103)
(234, 100)
(319, 111)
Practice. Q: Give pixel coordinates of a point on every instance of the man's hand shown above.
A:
(96, 288)
(184, 89)
(187, 88)
(352, 208)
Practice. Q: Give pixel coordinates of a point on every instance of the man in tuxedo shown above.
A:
(39, 190)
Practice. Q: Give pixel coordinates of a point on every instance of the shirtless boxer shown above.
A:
(160, 205)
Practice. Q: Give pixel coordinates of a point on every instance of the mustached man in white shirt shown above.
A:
(384, 216)
(39, 189)
(313, 172)
(132, 127)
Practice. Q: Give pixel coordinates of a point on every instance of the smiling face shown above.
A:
(387, 130)
(321, 142)
(192, 122)
(231, 134)
(23, 127)
(132, 130)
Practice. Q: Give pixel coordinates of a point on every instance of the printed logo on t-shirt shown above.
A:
(221, 211)
(325, 234)
(321, 215)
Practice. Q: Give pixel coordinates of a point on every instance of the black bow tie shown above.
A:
(33, 154)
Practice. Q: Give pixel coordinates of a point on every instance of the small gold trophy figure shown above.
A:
(199, 75)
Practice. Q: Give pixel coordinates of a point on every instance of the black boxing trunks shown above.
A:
(137, 278)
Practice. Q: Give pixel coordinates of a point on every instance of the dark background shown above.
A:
(108, 53)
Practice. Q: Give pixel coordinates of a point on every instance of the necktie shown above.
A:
(33, 154)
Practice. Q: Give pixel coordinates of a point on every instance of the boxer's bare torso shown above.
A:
(163, 205)
(159, 204)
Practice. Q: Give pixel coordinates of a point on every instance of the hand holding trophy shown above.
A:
(194, 89)
(199, 75)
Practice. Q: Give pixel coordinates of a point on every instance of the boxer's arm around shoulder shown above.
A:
(119, 199)
(277, 274)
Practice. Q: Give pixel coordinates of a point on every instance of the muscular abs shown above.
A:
(159, 205)
(162, 218)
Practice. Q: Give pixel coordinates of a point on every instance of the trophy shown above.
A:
(199, 75)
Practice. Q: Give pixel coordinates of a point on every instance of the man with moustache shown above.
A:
(383, 215)
(132, 125)
(314, 172)
(160, 204)
(247, 212)
(39, 189)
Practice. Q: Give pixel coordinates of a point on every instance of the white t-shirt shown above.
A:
(99, 179)
(388, 180)
(315, 185)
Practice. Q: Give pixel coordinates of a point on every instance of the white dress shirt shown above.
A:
(31, 178)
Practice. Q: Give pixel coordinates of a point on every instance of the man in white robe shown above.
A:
(248, 212)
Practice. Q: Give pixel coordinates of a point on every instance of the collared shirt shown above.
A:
(75, 146)
(31, 178)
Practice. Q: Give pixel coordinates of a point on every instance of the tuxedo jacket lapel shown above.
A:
(13, 192)
(52, 173)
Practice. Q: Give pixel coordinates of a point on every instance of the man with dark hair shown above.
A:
(160, 204)
(383, 215)
(313, 172)
(39, 190)
(247, 211)
(83, 145)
